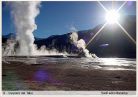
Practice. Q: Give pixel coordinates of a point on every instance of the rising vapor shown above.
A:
(81, 45)
(24, 14)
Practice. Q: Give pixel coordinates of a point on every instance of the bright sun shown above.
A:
(112, 16)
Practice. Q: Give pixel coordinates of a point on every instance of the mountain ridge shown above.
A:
(117, 42)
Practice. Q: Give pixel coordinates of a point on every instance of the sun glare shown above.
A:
(112, 16)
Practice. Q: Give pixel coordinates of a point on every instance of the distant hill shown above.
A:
(111, 42)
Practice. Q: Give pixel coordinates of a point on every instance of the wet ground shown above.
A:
(68, 74)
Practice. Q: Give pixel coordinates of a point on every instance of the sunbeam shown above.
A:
(102, 6)
(121, 6)
(111, 17)
(127, 33)
(96, 34)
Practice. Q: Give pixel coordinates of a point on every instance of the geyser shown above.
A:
(24, 14)
(81, 45)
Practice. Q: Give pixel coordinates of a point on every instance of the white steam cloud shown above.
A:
(80, 44)
(73, 28)
(24, 14)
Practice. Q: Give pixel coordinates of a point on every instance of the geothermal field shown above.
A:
(45, 73)
(31, 65)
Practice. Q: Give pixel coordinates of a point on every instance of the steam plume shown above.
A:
(24, 14)
(80, 44)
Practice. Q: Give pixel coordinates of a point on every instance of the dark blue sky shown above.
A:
(60, 17)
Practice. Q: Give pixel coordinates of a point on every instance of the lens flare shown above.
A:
(112, 16)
